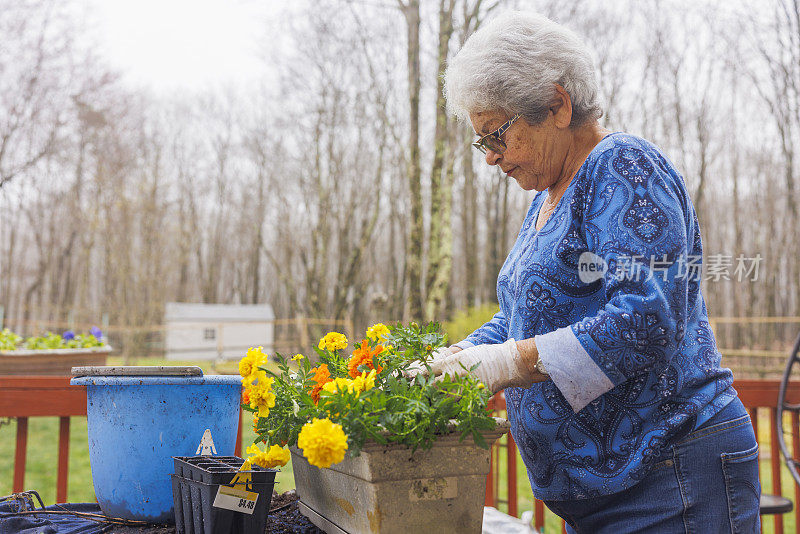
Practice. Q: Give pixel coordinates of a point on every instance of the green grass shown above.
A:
(42, 459)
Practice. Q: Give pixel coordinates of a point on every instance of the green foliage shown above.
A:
(398, 409)
(465, 322)
(85, 341)
(414, 342)
(48, 341)
(11, 341)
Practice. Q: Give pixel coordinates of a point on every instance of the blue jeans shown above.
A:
(708, 484)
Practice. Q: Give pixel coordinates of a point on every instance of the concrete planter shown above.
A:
(50, 361)
(390, 489)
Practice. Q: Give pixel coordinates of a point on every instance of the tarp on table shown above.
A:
(15, 518)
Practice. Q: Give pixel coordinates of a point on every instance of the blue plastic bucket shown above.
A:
(137, 424)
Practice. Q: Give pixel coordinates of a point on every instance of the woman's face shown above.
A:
(534, 155)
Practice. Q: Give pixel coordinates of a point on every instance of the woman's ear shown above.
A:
(562, 108)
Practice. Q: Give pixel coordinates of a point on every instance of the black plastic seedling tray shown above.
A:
(195, 485)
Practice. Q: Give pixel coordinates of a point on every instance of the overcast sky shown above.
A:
(168, 44)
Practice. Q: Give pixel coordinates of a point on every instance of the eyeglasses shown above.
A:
(492, 141)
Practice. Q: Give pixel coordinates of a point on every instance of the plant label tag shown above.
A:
(206, 447)
(235, 496)
(433, 489)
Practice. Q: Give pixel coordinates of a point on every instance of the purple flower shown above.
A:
(96, 332)
(69, 335)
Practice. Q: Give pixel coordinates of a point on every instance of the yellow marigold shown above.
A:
(377, 332)
(249, 365)
(273, 457)
(361, 383)
(333, 341)
(276, 456)
(338, 384)
(323, 442)
(297, 357)
(364, 381)
(262, 397)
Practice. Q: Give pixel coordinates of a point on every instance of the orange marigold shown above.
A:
(364, 355)
(321, 376)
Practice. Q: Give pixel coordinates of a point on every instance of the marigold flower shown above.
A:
(364, 381)
(276, 456)
(323, 442)
(333, 341)
(321, 376)
(297, 357)
(363, 356)
(377, 332)
(262, 397)
(249, 365)
(361, 383)
(338, 384)
(273, 457)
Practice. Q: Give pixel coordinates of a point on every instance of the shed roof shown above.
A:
(189, 311)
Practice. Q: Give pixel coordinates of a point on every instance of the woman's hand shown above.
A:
(501, 366)
(439, 354)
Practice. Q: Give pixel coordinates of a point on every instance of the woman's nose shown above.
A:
(492, 157)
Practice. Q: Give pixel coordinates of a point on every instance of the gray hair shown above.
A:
(512, 64)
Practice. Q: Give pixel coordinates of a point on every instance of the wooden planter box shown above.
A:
(50, 361)
(390, 489)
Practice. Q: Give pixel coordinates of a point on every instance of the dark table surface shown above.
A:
(27, 518)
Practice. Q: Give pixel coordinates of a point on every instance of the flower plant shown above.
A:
(334, 406)
(68, 340)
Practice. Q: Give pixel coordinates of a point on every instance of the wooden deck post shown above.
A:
(20, 455)
(63, 460)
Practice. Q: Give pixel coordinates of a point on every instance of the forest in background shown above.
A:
(341, 190)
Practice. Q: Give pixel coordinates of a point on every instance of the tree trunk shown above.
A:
(414, 249)
(440, 235)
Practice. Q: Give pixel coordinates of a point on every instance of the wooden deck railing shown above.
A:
(759, 396)
(22, 397)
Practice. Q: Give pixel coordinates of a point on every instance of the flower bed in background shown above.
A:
(51, 354)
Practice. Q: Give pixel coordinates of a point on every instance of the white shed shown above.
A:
(214, 331)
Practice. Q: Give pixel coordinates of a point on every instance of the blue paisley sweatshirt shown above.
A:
(610, 290)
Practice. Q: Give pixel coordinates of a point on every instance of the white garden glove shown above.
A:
(439, 354)
(501, 366)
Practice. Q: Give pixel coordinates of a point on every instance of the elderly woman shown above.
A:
(619, 406)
